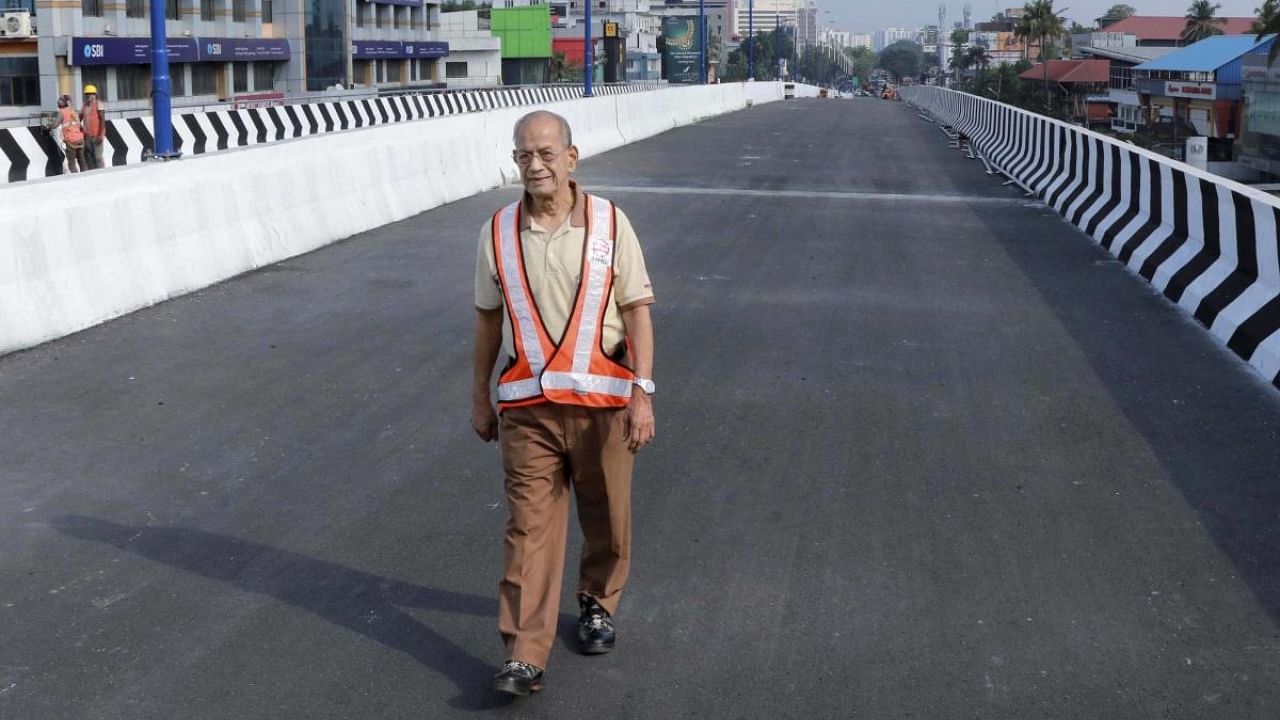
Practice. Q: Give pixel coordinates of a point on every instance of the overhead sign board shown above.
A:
(1197, 90)
(137, 51)
(378, 49)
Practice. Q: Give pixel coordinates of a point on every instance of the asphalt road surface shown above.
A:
(924, 451)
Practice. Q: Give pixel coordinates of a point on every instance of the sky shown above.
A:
(871, 15)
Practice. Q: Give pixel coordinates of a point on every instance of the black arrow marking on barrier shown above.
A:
(1115, 183)
(469, 100)
(1170, 244)
(313, 124)
(197, 133)
(1091, 158)
(18, 161)
(379, 117)
(1209, 252)
(281, 131)
(394, 105)
(53, 155)
(452, 105)
(295, 122)
(1135, 187)
(1155, 215)
(259, 128)
(219, 129)
(1262, 324)
(352, 109)
(1246, 269)
(418, 103)
(242, 132)
(342, 110)
(324, 113)
(119, 148)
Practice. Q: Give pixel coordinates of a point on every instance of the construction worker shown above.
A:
(93, 118)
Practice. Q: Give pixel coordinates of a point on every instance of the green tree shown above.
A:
(1268, 23)
(959, 37)
(862, 61)
(1202, 21)
(1040, 23)
(902, 59)
(766, 65)
(1116, 14)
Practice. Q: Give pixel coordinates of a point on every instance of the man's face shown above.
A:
(544, 161)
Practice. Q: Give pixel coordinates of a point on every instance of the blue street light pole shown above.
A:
(588, 56)
(751, 37)
(777, 44)
(702, 35)
(161, 101)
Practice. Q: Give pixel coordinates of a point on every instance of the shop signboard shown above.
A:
(127, 50)
(1195, 90)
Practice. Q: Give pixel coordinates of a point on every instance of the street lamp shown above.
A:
(702, 38)
(161, 101)
(588, 54)
(751, 39)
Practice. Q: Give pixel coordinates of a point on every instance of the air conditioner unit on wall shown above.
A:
(16, 24)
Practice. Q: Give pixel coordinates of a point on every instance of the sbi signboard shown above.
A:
(137, 51)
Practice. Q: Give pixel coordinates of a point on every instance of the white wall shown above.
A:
(135, 235)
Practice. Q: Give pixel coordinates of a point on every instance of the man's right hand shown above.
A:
(484, 421)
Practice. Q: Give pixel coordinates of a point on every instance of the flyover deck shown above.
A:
(923, 451)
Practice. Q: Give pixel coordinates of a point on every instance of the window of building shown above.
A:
(204, 78)
(133, 82)
(135, 8)
(455, 69)
(380, 13)
(380, 71)
(96, 75)
(19, 81)
(415, 17)
(361, 8)
(237, 10)
(268, 11)
(207, 10)
(91, 8)
(397, 13)
(264, 76)
(240, 77)
(172, 10)
(395, 71)
(178, 80)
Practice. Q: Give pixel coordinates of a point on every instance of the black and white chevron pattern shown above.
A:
(1208, 244)
(27, 153)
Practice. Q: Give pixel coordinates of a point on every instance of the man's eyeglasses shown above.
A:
(523, 157)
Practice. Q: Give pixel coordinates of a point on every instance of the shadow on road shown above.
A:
(1213, 427)
(367, 604)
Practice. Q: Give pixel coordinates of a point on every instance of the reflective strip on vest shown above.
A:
(600, 263)
(583, 383)
(518, 300)
(519, 390)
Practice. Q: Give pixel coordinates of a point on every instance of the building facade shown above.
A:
(238, 51)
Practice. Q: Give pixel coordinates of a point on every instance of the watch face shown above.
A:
(646, 385)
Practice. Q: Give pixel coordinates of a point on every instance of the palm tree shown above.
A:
(1201, 22)
(977, 57)
(1268, 23)
(1040, 22)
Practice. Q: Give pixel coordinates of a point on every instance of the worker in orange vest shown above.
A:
(562, 293)
(72, 134)
(93, 116)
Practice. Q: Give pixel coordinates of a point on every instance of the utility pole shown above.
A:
(588, 55)
(751, 37)
(702, 37)
(777, 44)
(161, 100)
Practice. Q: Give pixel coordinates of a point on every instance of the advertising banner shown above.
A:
(137, 51)
(127, 51)
(683, 49)
(377, 49)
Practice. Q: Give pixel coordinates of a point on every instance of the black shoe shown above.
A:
(595, 628)
(517, 678)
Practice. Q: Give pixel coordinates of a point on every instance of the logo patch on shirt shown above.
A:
(601, 252)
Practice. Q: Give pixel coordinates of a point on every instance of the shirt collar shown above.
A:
(577, 218)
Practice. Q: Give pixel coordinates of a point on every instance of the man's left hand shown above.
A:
(639, 417)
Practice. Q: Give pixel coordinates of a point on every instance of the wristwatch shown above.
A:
(645, 384)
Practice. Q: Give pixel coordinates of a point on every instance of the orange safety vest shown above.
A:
(72, 134)
(576, 370)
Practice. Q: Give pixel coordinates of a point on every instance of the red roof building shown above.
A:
(1070, 72)
(1153, 31)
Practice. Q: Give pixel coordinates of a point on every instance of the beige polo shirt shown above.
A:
(553, 263)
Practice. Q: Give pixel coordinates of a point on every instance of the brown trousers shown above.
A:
(546, 449)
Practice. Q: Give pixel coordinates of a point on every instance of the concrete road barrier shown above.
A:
(131, 236)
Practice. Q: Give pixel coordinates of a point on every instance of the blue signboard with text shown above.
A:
(137, 51)
(377, 49)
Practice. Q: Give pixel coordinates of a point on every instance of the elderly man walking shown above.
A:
(562, 293)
